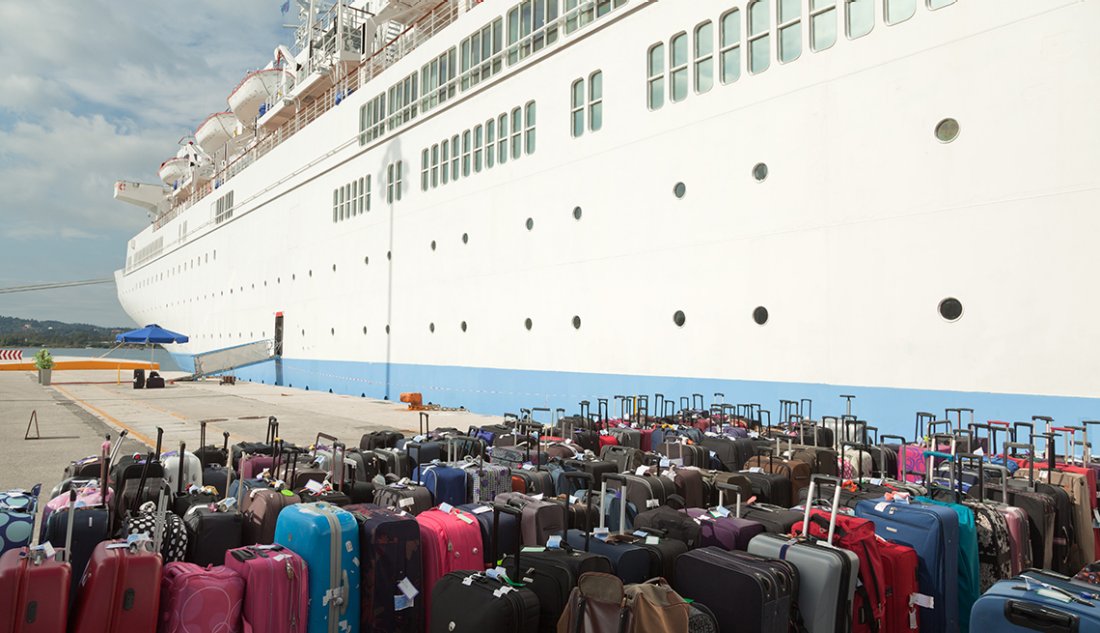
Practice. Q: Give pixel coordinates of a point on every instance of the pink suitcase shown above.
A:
(276, 588)
(449, 541)
(198, 600)
(34, 592)
(120, 590)
(1019, 541)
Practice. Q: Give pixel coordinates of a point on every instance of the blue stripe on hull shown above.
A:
(494, 391)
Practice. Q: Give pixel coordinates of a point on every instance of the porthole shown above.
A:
(364, 330)
(530, 224)
(465, 238)
(951, 309)
(366, 261)
(463, 326)
(311, 272)
(278, 280)
(387, 329)
(947, 130)
(528, 324)
(293, 276)
(679, 318)
(303, 332)
(332, 331)
(577, 213)
(433, 245)
(576, 323)
(334, 268)
(760, 315)
(680, 190)
(760, 172)
(389, 255)
(431, 328)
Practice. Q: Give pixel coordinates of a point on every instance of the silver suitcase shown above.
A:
(827, 575)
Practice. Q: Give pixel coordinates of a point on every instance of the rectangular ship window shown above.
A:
(730, 46)
(704, 57)
(655, 59)
(759, 36)
(822, 24)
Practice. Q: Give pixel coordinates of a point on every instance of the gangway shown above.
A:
(230, 358)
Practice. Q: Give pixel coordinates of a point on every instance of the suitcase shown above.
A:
(260, 514)
(175, 540)
(775, 519)
(276, 582)
(532, 482)
(685, 454)
(472, 601)
(327, 538)
(730, 453)
(211, 532)
(541, 518)
(484, 481)
(827, 575)
(933, 532)
(392, 567)
(120, 590)
(404, 495)
(196, 599)
(858, 537)
(483, 512)
(765, 588)
(624, 458)
(672, 523)
(551, 573)
(632, 563)
(34, 591)
(770, 488)
(601, 602)
(1012, 606)
(689, 485)
(393, 461)
(595, 467)
(449, 541)
(795, 473)
(643, 491)
(180, 473)
(899, 567)
(446, 483)
(17, 510)
(380, 439)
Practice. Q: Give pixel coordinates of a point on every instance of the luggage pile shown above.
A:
(693, 519)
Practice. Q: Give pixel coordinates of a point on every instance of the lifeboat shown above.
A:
(174, 170)
(214, 132)
(255, 90)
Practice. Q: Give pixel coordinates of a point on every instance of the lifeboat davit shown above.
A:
(174, 170)
(255, 90)
(214, 132)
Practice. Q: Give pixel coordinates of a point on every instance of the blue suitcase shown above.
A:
(1022, 605)
(327, 537)
(933, 531)
(446, 483)
(969, 573)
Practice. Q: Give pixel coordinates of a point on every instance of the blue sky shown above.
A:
(96, 91)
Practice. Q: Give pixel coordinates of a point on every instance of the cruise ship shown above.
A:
(527, 203)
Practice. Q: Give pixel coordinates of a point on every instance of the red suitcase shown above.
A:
(899, 566)
(120, 590)
(34, 592)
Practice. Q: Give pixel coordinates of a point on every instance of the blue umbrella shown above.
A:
(152, 333)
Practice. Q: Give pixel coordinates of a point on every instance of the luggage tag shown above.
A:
(641, 533)
(652, 503)
(652, 540)
(314, 486)
(601, 533)
(721, 511)
(554, 542)
(482, 510)
(641, 470)
(537, 497)
(756, 469)
(921, 600)
(446, 507)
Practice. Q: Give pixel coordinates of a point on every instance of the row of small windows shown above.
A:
(159, 277)
(351, 200)
(593, 105)
(223, 208)
(528, 27)
(859, 20)
(481, 147)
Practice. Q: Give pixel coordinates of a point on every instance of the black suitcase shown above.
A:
(473, 601)
(407, 496)
(730, 453)
(595, 467)
(772, 488)
(211, 533)
(672, 523)
(389, 546)
(766, 589)
(550, 573)
(212, 455)
(380, 439)
(90, 528)
(536, 481)
(775, 519)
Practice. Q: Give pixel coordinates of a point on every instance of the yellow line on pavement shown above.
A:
(108, 417)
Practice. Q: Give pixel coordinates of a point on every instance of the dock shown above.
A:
(81, 406)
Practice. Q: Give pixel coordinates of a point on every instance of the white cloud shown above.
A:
(101, 90)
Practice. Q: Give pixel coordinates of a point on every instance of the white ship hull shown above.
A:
(864, 223)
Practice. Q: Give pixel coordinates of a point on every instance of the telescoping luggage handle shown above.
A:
(518, 514)
(589, 481)
(623, 483)
(179, 481)
(722, 488)
(810, 496)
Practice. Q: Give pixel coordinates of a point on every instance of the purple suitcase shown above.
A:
(728, 532)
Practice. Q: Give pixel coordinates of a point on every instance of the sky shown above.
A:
(94, 91)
